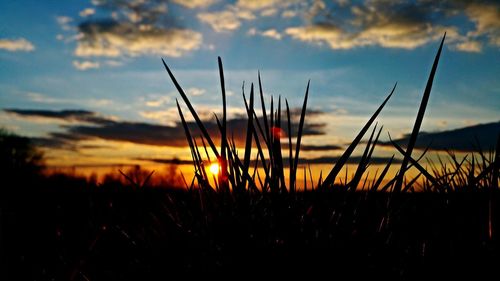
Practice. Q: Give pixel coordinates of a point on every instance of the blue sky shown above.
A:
(103, 57)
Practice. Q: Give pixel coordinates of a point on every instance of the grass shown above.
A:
(252, 220)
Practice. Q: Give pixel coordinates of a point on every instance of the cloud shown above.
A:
(269, 12)
(470, 46)
(87, 12)
(113, 39)
(462, 139)
(64, 22)
(85, 125)
(374, 27)
(132, 28)
(272, 33)
(257, 4)
(399, 24)
(85, 65)
(16, 45)
(302, 161)
(40, 98)
(486, 17)
(221, 21)
(157, 101)
(305, 147)
(195, 91)
(231, 16)
(288, 14)
(70, 115)
(193, 4)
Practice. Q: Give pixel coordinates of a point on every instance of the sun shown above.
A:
(215, 168)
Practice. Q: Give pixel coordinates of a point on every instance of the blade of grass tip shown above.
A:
(223, 162)
(290, 157)
(330, 178)
(264, 113)
(374, 144)
(129, 179)
(420, 118)
(362, 162)
(458, 169)
(299, 136)
(310, 175)
(382, 175)
(193, 112)
(250, 129)
(411, 183)
(320, 180)
(147, 179)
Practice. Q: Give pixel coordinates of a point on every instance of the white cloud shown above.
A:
(195, 91)
(232, 15)
(113, 63)
(193, 4)
(87, 12)
(157, 100)
(252, 31)
(269, 12)
(272, 33)
(221, 21)
(288, 14)
(16, 45)
(257, 4)
(41, 98)
(85, 65)
(64, 22)
(469, 46)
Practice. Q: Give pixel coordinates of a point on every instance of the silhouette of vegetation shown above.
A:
(18, 156)
(253, 220)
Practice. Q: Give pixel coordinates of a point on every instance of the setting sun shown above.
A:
(214, 168)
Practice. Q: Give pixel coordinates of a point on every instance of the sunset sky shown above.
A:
(84, 79)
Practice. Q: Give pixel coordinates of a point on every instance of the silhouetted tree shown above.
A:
(18, 156)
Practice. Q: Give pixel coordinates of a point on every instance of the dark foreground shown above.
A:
(83, 232)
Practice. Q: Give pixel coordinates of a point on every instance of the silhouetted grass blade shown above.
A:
(193, 112)
(420, 118)
(330, 178)
(299, 135)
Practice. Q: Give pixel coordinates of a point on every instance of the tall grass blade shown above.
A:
(223, 175)
(330, 178)
(420, 118)
(299, 136)
(193, 112)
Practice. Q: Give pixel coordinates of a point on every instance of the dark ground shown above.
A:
(67, 229)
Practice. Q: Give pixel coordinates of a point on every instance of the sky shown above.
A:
(84, 79)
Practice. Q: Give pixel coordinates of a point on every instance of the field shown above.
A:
(249, 219)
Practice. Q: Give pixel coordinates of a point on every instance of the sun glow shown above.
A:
(215, 168)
